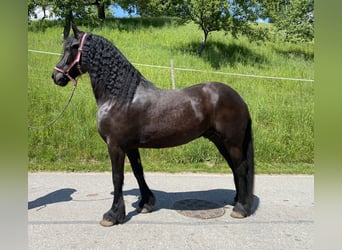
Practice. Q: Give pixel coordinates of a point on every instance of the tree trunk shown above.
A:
(205, 36)
(44, 12)
(101, 11)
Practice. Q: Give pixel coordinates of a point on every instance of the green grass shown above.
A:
(282, 111)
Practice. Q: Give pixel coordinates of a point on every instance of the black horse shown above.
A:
(133, 113)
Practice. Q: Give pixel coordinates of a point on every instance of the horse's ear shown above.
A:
(76, 31)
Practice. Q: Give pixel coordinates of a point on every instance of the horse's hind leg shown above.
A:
(147, 198)
(223, 150)
(239, 157)
(243, 205)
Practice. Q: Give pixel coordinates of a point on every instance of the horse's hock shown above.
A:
(199, 209)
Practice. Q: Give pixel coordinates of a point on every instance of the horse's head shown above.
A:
(70, 66)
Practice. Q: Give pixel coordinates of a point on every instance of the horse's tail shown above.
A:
(249, 157)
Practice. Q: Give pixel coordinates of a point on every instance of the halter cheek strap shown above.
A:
(76, 61)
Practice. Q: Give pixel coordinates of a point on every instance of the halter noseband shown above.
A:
(76, 61)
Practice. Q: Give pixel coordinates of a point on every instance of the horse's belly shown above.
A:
(173, 133)
(174, 124)
(161, 141)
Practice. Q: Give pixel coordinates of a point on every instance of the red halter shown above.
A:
(76, 61)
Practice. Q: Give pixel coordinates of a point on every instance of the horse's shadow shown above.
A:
(61, 195)
(166, 200)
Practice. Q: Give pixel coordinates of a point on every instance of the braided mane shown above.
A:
(110, 72)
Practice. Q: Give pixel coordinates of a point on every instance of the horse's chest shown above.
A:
(113, 120)
(106, 118)
(103, 112)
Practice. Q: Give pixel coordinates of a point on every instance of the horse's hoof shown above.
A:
(239, 211)
(110, 219)
(145, 209)
(106, 223)
(237, 215)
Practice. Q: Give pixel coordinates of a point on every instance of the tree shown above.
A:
(101, 7)
(209, 16)
(298, 21)
(65, 9)
(68, 9)
(232, 16)
(293, 18)
(33, 4)
(143, 7)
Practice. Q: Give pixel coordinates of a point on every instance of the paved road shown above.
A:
(64, 210)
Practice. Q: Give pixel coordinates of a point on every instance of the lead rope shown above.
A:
(59, 115)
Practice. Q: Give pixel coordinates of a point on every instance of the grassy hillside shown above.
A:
(282, 111)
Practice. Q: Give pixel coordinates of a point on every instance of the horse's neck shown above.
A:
(111, 74)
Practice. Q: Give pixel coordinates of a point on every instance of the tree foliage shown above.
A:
(293, 18)
(210, 15)
(33, 4)
(233, 17)
(88, 10)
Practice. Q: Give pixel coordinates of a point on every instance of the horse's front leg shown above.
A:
(147, 198)
(117, 213)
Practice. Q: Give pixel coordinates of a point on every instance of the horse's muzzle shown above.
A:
(59, 78)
